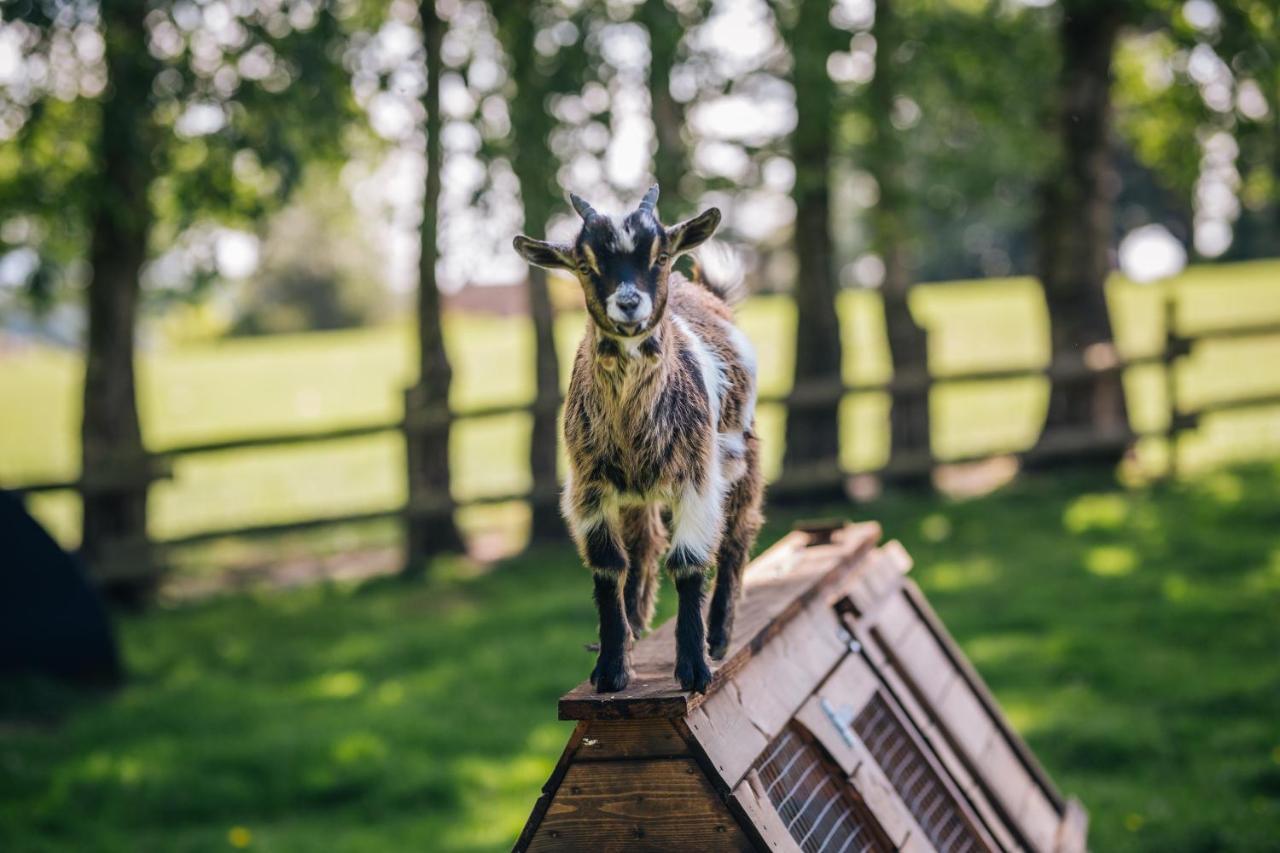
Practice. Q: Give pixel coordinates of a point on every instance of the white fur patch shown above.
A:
(733, 456)
(747, 354)
(622, 232)
(617, 315)
(713, 378)
(697, 519)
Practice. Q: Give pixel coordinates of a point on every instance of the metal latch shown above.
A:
(841, 718)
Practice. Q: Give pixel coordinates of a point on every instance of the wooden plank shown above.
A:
(778, 586)
(1041, 821)
(735, 724)
(1074, 829)
(722, 726)
(613, 739)
(877, 578)
(983, 693)
(1004, 774)
(751, 799)
(923, 661)
(960, 767)
(636, 805)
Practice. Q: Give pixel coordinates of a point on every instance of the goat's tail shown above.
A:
(719, 269)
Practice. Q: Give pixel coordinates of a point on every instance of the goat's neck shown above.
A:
(629, 372)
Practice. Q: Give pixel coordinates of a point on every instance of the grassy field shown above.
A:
(1131, 636)
(316, 381)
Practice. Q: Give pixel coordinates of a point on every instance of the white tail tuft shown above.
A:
(719, 268)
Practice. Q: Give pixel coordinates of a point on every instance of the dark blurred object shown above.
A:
(52, 621)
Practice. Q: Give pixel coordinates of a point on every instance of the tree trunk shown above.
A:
(908, 342)
(670, 160)
(1075, 227)
(431, 526)
(535, 166)
(113, 460)
(813, 426)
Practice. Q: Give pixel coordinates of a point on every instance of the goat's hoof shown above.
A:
(718, 646)
(610, 676)
(693, 674)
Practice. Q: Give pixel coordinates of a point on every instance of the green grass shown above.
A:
(1132, 636)
(228, 388)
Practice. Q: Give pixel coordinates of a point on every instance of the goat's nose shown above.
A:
(628, 300)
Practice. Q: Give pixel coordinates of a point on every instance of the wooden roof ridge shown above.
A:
(778, 586)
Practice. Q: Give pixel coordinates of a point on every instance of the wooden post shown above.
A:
(1174, 348)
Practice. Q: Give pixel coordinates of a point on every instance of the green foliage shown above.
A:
(1128, 634)
(238, 107)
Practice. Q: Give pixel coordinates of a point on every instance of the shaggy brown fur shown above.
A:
(660, 416)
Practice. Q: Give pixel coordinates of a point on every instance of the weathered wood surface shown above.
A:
(637, 805)
(751, 799)
(610, 739)
(737, 722)
(779, 584)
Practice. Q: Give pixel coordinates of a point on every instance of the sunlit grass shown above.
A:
(422, 717)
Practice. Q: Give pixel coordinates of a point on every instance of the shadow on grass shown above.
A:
(1132, 636)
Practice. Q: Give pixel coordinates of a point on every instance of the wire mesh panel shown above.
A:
(814, 800)
(911, 775)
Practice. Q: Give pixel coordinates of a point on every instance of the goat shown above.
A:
(659, 424)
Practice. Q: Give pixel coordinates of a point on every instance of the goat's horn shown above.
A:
(586, 211)
(650, 199)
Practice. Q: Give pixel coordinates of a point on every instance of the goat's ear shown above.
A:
(692, 233)
(552, 256)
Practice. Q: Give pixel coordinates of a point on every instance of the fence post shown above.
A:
(1175, 347)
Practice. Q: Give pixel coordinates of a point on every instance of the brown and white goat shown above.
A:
(660, 426)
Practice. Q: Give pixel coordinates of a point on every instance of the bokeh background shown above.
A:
(269, 364)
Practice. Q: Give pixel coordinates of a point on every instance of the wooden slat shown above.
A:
(995, 819)
(624, 806)
(1041, 820)
(754, 804)
(1073, 829)
(613, 739)
(735, 723)
(778, 586)
(983, 694)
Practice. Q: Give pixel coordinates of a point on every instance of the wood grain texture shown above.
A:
(778, 586)
(984, 695)
(543, 802)
(611, 739)
(736, 723)
(751, 799)
(637, 805)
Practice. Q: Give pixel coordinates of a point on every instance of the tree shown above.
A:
(908, 342)
(670, 157)
(813, 413)
(1075, 224)
(179, 135)
(431, 525)
(114, 463)
(537, 76)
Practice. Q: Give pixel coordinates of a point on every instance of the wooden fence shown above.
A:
(127, 560)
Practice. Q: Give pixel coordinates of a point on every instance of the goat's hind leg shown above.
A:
(742, 524)
(645, 538)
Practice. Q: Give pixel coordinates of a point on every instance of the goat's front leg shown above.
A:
(696, 528)
(601, 547)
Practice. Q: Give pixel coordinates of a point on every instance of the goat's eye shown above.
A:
(663, 258)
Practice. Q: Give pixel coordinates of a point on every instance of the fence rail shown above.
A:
(1064, 443)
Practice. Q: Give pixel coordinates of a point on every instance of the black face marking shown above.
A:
(618, 253)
